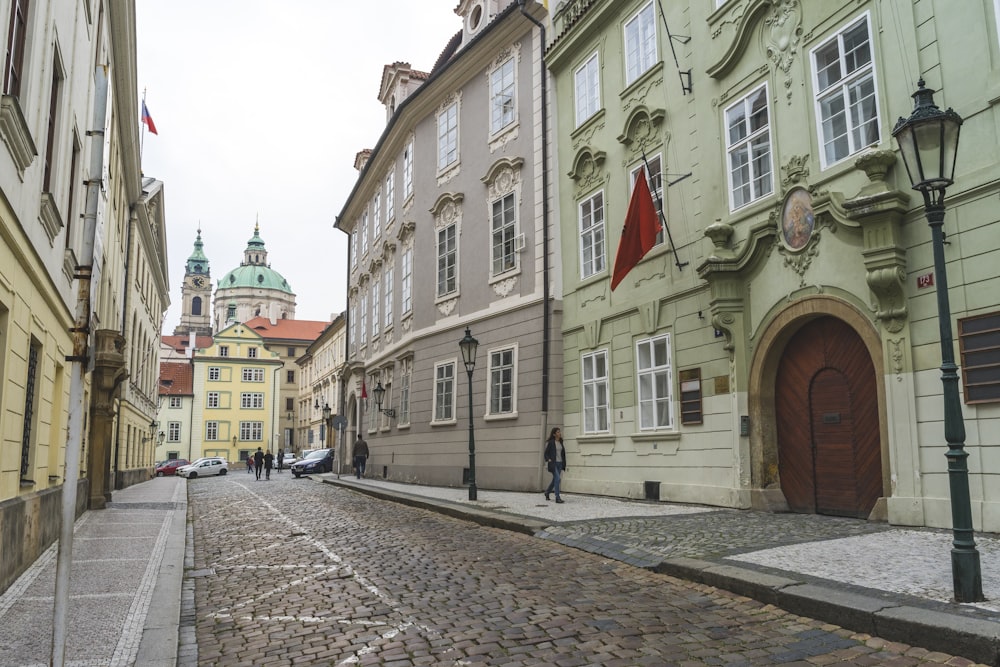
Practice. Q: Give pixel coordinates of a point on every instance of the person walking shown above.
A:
(249, 464)
(555, 461)
(268, 464)
(258, 462)
(360, 456)
(281, 458)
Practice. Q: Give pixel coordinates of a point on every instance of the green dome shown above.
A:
(255, 276)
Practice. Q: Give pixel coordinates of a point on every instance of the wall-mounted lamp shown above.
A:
(379, 392)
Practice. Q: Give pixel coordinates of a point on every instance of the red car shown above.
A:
(170, 467)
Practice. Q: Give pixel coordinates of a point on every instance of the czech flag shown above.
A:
(642, 224)
(147, 119)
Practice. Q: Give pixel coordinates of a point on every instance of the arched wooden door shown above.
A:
(826, 414)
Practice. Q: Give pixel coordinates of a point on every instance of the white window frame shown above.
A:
(252, 374)
(223, 350)
(447, 124)
(503, 254)
(354, 247)
(373, 411)
(377, 213)
(390, 196)
(408, 170)
(376, 302)
(211, 430)
(840, 90)
(503, 96)
(252, 400)
(176, 402)
(759, 181)
(593, 237)
(502, 374)
(251, 353)
(387, 279)
(587, 88)
(363, 324)
(365, 232)
(214, 373)
(173, 431)
(654, 179)
(251, 431)
(654, 410)
(447, 260)
(405, 378)
(444, 392)
(595, 394)
(406, 281)
(640, 43)
(213, 399)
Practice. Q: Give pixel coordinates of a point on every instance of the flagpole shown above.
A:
(142, 137)
(659, 211)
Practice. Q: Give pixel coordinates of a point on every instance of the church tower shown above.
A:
(196, 291)
(253, 289)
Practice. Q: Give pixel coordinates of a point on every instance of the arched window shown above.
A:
(196, 306)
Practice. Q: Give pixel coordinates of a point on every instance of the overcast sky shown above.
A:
(260, 109)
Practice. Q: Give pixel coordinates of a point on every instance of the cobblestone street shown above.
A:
(292, 572)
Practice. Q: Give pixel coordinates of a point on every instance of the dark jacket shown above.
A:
(269, 460)
(258, 458)
(361, 448)
(552, 453)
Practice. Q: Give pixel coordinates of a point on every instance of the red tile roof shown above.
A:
(303, 330)
(176, 379)
(180, 343)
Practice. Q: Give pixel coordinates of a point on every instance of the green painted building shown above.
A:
(779, 347)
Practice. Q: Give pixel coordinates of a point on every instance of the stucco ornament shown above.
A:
(446, 307)
(782, 33)
(796, 171)
(504, 287)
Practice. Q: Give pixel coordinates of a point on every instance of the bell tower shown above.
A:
(196, 294)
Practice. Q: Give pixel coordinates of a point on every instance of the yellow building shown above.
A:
(236, 389)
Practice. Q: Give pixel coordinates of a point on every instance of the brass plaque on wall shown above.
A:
(721, 385)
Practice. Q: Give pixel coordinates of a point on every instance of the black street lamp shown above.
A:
(379, 392)
(469, 345)
(928, 141)
(327, 418)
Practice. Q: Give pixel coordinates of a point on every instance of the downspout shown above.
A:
(546, 309)
(128, 258)
(342, 410)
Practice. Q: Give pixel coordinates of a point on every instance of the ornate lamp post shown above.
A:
(469, 345)
(928, 141)
(326, 421)
(379, 392)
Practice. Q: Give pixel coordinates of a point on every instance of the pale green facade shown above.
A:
(796, 311)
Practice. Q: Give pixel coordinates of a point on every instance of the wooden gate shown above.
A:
(826, 414)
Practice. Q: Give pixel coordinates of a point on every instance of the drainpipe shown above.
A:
(546, 314)
(128, 258)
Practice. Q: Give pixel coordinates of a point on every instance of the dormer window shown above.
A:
(475, 18)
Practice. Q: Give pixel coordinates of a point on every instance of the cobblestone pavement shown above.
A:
(291, 572)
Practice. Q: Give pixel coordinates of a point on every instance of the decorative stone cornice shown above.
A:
(15, 134)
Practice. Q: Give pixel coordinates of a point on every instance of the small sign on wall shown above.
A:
(925, 280)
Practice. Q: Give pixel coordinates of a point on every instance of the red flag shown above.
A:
(147, 119)
(364, 390)
(642, 224)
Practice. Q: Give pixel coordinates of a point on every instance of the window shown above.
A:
(447, 260)
(408, 170)
(504, 255)
(17, 31)
(690, 403)
(252, 352)
(196, 305)
(214, 373)
(587, 83)
(230, 316)
(502, 96)
(253, 374)
(252, 400)
(212, 399)
(592, 236)
(654, 377)
(595, 392)
(289, 404)
(405, 372)
(175, 401)
(291, 352)
(363, 325)
(376, 302)
(444, 391)
(53, 119)
(365, 232)
(354, 247)
(846, 104)
(30, 402)
(405, 286)
(211, 430)
(388, 297)
(377, 213)
(654, 179)
(640, 43)
(173, 431)
(250, 431)
(390, 196)
(979, 340)
(502, 398)
(448, 136)
(353, 321)
(748, 142)
(373, 413)
(223, 350)
(290, 377)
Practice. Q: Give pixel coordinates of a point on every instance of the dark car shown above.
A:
(320, 460)
(170, 467)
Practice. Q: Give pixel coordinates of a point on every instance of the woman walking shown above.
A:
(555, 460)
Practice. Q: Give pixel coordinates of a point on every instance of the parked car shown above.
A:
(170, 467)
(212, 465)
(288, 460)
(319, 460)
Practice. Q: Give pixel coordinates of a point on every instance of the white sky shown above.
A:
(261, 108)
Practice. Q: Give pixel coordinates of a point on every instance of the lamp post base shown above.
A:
(966, 575)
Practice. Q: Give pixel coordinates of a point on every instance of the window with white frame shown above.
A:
(502, 96)
(173, 431)
(365, 232)
(373, 412)
(390, 195)
(408, 170)
(592, 235)
(504, 255)
(376, 302)
(363, 324)
(386, 400)
(223, 350)
(406, 281)
(748, 144)
(377, 213)
(653, 374)
(595, 392)
(175, 401)
(405, 374)
(214, 373)
(587, 89)
(251, 400)
(640, 43)
(448, 136)
(253, 374)
(353, 323)
(212, 399)
(211, 430)
(846, 103)
(387, 280)
(251, 430)
(502, 387)
(354, 247)
(251, 352)
(653, 168)
(444, 391)
(447, 260)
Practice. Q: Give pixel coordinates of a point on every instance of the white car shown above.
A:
(206, 467)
